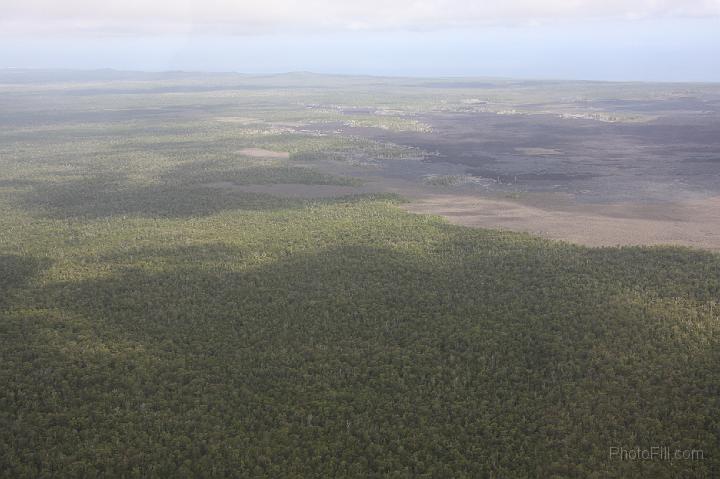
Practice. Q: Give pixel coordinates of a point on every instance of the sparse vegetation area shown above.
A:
(152, 326)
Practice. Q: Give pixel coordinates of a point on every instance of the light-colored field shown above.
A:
(261, 153)
(694, 223)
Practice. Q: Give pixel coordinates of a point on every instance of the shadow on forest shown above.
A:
(185, 191)
(16, 271)
(662, 271)
(378, 338)
(102, 197)
(368, 292)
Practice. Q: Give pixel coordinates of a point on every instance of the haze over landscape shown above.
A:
(438, 238)
(672, 40)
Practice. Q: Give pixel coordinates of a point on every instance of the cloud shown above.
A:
(140, 17)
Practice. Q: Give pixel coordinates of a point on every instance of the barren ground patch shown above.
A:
(693, 223)
(261, 153)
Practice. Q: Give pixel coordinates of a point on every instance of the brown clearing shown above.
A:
(694, 223)
(260, 153)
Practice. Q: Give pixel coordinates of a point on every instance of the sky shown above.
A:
(647, 40)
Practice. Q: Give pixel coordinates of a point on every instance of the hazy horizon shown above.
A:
(663, 41)
(410, 76)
